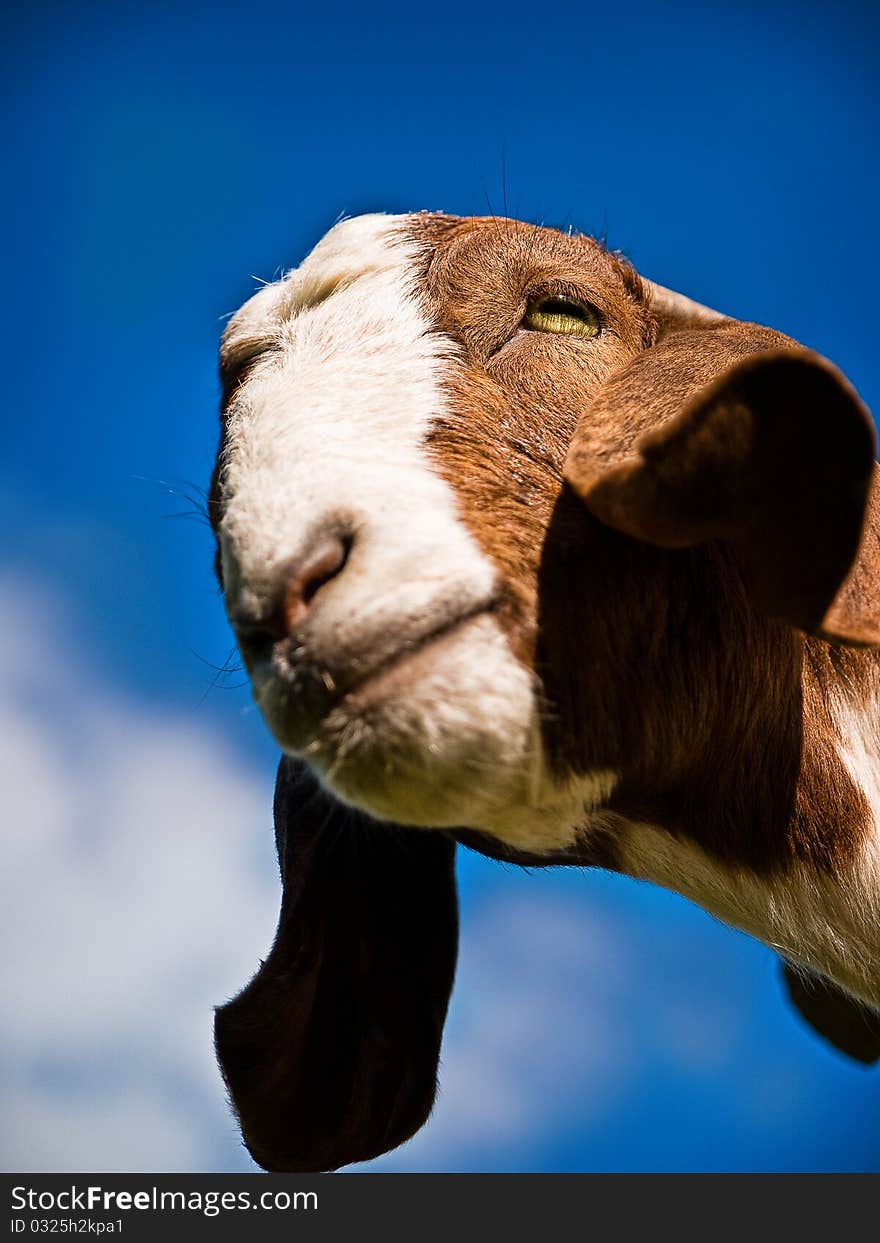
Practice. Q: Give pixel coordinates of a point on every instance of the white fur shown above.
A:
(829, 922)
(330, 428)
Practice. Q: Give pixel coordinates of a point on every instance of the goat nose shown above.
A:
(299, 582)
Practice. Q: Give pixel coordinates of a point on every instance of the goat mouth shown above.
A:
(299, 698)
(405, 661)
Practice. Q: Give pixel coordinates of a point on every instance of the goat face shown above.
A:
(429, 614)
(393, 446)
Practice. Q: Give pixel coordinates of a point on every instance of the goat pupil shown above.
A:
(557, 306)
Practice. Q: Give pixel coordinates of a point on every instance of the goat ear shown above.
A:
(755, 441)
(851, 1027)
(330, 1053)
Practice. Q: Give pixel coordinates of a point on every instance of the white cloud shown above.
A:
(137, 891)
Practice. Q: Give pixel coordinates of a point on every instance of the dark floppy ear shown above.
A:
(851, 1027)
(729, 431)
(330, 1053)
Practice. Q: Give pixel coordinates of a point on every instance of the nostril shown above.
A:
(323, 564)
(299, 582)
(306, 576)
(256, 636)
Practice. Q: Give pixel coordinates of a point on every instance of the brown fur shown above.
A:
(655, 662)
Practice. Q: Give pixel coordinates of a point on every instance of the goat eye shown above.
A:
(562, 315)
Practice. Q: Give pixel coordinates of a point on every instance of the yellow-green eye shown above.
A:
(563, 315)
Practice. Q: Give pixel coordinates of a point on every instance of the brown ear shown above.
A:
(846, 1023)
(729, 431)
(330, 1053)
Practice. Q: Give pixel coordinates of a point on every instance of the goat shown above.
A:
(526, 553)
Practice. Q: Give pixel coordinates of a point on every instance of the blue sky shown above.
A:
(159, 159)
